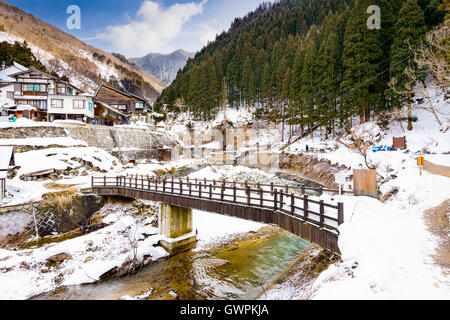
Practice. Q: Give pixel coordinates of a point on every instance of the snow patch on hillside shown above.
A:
(53, 64)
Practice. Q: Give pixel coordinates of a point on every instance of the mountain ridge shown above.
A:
(164, 66)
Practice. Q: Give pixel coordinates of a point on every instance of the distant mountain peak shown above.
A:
(164, 66)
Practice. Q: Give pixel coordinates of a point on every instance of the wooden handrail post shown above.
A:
(305, 206)
(210, 191)
(322, 213)
(234, 192)
(190, 188)
(92, 181)
(199, 189)
(281, 199)
(261, 197)
(303, 189)
(248, 194)
(164, 185)
(181, 186)
(292, 203)
(104, 181)
(275, 200)
(172, 186)
(340, 213)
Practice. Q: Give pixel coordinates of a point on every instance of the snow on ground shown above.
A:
(386, 247)
(24, 122)
(126, 240)
(20, 191)
(214, 229)
(62, 158)
(43, 142)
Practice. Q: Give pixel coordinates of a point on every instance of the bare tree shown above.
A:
(362, 140)
(431, 58)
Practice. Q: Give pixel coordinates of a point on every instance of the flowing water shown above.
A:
(238, 272)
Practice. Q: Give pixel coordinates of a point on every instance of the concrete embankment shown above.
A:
(124, 143)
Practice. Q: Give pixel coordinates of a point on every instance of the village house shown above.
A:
(7, 86)
(6, 162)
(134, 108)
(51, 98)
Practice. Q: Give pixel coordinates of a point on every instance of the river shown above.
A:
(235, 272)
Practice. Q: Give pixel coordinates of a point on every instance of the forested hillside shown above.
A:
(307, 62)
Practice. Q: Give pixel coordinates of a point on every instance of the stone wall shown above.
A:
(321, 171)
(58, 212)
(124, 143)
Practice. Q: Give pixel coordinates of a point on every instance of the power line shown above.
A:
(372, 78)
(381, 63)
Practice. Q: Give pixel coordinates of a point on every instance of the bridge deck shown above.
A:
(312, 220)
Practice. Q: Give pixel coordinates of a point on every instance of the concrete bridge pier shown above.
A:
(176, 225)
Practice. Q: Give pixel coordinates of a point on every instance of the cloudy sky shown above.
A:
(138, 27)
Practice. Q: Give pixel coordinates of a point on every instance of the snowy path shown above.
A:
(437, 169)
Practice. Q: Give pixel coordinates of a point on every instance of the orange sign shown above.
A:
(420, 161)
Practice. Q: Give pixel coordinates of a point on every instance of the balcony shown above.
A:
(30, 95)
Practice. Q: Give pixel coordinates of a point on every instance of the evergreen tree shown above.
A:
(362, 55)
(411, 29)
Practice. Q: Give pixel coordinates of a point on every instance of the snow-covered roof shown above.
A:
(6, 155)
(22, 107)
(19, 66)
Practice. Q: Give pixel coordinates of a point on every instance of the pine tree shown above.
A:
(411, 29)
(308, 76)
(266, 87)
(296, 110)
(363, 89)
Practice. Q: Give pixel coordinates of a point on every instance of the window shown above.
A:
(69, 91)
(119, 106)
(139, 105)
(61, 89)
(78, 104)
(89, 106)
(10, 94)
(43, 105)
(56, 103)
(33, 87)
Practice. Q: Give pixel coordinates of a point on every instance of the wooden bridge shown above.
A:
(313, 220)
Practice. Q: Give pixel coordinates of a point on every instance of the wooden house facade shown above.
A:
(134, 107)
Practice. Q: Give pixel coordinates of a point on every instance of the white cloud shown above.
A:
(153, 29)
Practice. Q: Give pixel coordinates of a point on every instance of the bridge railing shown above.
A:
(265, 196)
